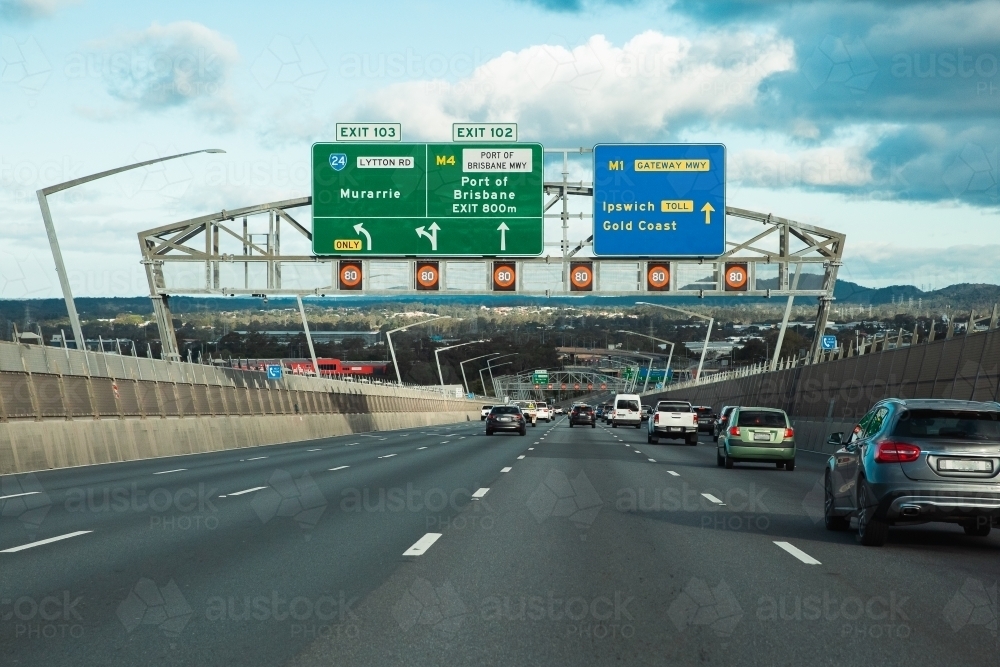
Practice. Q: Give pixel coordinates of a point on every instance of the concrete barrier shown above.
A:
(42, 445)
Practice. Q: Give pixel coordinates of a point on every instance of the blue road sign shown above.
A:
(664, 200)
(829, 343)
(273, 372)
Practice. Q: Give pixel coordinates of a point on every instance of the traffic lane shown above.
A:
(636, 590)
(36, 498)
(360, 531)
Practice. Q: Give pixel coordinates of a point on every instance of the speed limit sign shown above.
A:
(737, 278)
(657, 277)
(350, 275)
(428, 277)
(504, 277)
(581, 277)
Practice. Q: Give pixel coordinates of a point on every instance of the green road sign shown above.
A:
(540, 377)
(427, 199)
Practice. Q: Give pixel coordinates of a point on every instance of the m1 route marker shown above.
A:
(404, 199)
(662, 200)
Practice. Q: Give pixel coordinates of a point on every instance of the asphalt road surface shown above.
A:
(442, 546)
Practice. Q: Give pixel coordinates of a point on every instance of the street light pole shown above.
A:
(492, 379)
(461, 365)
(489, 366)
(451, 347)
(711, 321)
(50, 231)
(659, 340)
(392, 350)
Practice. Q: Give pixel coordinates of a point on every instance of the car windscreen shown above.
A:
(506, 410)
(628, 405)
(948, 425)
(761, 418)
(673, 407)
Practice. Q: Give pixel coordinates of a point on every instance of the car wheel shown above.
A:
(832, 521)
(718, 459)
(489, 432)
(692, 440)
(593, 426)
(638, 425)
(571, 424)
(790, 465)
(614, 425)
(524, 431)
(979, 528)
(729, 462)
(779, 465)
(872, 532)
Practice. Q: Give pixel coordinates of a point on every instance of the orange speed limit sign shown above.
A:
(350, 275)
(581, 277)
(736, 277)
(504, 277)
(427, 275)
(657, 277)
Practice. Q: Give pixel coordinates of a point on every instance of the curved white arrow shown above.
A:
(503, 235)
(360, 229)
(433, 235)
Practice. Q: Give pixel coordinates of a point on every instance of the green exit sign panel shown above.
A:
(423, 200)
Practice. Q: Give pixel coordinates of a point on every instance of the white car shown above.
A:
(626, 411)
(543, 411)
(484, 412)
(557, 411)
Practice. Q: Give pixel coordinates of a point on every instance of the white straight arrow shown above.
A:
(433, 235)
(503, 235)
(359, 229)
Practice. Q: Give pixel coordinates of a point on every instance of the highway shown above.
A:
(442, 546)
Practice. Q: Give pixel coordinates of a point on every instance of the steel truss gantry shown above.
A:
(520, 386)
(239, 252)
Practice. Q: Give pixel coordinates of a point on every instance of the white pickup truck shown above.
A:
(673, 419)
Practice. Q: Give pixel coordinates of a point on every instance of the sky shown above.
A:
(878, 120)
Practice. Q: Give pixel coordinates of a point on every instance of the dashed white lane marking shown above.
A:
(162, 472)
(531, 449)
(421, 546)
(652, 460)
(315, 450)
(47, 541)
(338, 468)
(257, 458)
(445, 442)
(480, 493)
(387, 456)
(31, 493)
(671, 472)
(419, 448)
(351, 444)
(713, 499)
(798, 553)
(520, 457)
(507, 469)
(240, 493)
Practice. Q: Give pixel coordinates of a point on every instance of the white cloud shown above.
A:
(32, 9)
(174, 65)
(882, 264)
(595, 90)
(828, 166)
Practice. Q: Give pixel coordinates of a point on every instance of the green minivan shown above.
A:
(757, 435)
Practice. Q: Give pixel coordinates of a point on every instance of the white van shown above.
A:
(544, 412)
(626, 411)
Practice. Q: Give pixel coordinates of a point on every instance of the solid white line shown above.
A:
(387, 456)
(673, 473)
(421, 546)
(338, 468)
(480, 493)
(257, 458)
(419, 448)
(167, 472)
(507, 469)
(798, 553)
(31, 493)
(520, 457)
(713, 499)
(41, 542)
(653, 460)
(240, 493)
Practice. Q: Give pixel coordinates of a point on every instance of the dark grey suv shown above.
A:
(915, 461)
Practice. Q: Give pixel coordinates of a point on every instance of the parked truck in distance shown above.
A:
(674, 420)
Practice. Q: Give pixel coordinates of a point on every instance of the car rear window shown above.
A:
(506, 410)
(487, 407)
(628, 405)
(673, 407)
(762, 418)
(702, 410)
(948, 424)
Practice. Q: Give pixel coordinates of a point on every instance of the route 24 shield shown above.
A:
(338, 161)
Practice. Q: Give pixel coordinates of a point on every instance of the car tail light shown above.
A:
(901, 452)
(735, 431)
(789, 433)
(656, 418)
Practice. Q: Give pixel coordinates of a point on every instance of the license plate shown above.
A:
(762, 436)
(965, 465)
(505, 419)
(675, 429)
